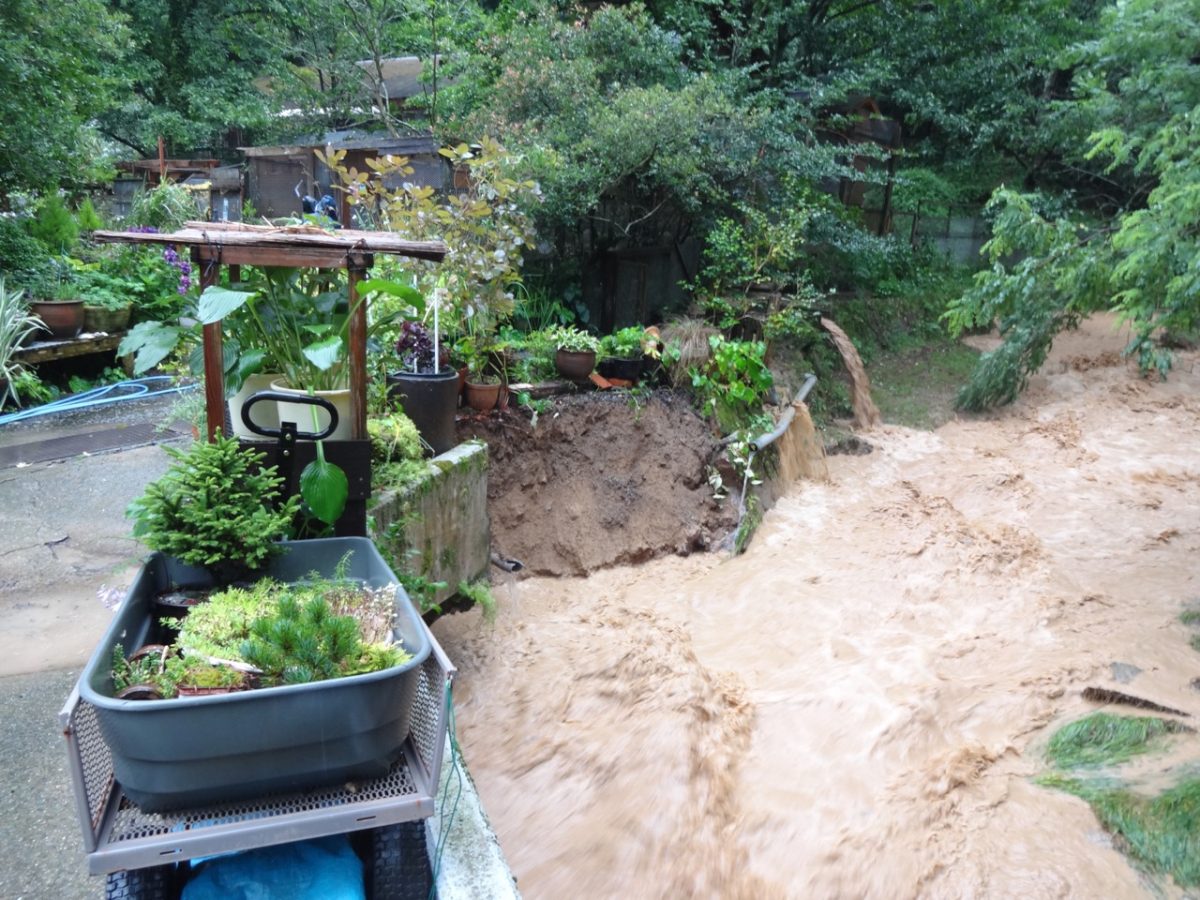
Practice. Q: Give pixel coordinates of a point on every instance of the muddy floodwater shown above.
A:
(857, 706)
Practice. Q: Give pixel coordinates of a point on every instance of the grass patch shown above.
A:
(1104, 739)
(917, 386)
(1162, 833)
(1190, 617)
(1195, 642)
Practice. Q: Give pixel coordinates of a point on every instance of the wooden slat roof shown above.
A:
(304, 243)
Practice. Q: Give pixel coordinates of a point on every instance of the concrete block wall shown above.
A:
(438, 527)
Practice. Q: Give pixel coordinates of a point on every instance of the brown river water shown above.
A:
(857, 706)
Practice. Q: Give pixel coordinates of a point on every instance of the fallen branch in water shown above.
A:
(1106, 695)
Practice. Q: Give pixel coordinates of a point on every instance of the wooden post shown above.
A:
(357, 352)
(214, 356)
(162, 161)
(885, 215)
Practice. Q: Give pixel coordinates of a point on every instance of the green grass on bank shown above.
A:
(1104, 739)
(1161, 833)
(916, 386)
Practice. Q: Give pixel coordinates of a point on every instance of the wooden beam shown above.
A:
(287, 246)
(214, 355)
(44, 351)
(357, 353)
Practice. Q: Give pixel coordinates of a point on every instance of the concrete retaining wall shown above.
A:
(438, 528)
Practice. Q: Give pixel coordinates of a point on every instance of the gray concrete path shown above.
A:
(63, 536)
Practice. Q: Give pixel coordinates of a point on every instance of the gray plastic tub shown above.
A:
(169, 754)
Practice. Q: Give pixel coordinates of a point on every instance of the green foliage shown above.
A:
(302, 642)
(626, 343)
(161, 671)
(21, 255)
(734, 382)
(323, 628)
(16, 324)
(1103, 739)
(59, 67)
(575, 340)
(213, 507)
(164, 207)
(54, 225)
(217, 627)
(86, 216)
(394, 438)
(537, 310)
(1137, 85)
(486, 228)
(480, 595)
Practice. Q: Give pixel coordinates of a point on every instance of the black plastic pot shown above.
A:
(625, 368)
(430, 401)
(196, 750)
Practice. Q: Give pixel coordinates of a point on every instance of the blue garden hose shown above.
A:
(137, 389)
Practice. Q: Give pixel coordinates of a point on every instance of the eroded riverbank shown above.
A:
(856, 706)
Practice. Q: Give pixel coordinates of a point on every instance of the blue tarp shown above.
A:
(323, 869)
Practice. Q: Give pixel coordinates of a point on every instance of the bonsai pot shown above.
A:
(625, 368)
(63, 318)
(484, 397)
(195, 750)
(302, 413)
(430, 401)
(110, 321)
(575, 365)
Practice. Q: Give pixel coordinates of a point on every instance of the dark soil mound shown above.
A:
(600, 481)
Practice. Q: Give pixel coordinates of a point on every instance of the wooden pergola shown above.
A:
(213, 244)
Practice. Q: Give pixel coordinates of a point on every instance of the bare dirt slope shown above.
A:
(858, 705)
(602, 479)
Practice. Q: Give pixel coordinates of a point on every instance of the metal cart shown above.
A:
(139, 851)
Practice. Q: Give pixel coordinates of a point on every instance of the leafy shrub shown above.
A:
(164, 208)
(575, 340)
(54, 225)
(734, 382)
(21, 255)
(213, 508)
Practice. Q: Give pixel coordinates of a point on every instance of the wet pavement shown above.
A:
(63, 536)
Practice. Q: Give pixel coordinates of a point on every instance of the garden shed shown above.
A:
(274, 174)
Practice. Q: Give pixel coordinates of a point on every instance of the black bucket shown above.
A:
(430, 401)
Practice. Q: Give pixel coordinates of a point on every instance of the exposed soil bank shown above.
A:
(856, 706)
(598, 482)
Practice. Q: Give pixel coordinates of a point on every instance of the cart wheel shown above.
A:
(399, 864)
(156, 883)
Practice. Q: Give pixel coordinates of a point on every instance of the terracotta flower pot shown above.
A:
(63, 318)
(575, 365)
(484, 397)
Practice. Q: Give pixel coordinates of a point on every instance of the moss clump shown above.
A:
(1104, 739)
(1162, 833)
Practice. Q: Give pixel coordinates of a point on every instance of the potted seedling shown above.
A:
(59, 307)
(217, 507)
(622, 352)
(425, 386)
(575, 357)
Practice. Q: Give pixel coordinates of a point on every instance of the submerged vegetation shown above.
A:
(1105, 739)
(1161, 832)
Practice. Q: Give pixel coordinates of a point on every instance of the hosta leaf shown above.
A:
(324, 489)
(217, 302)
